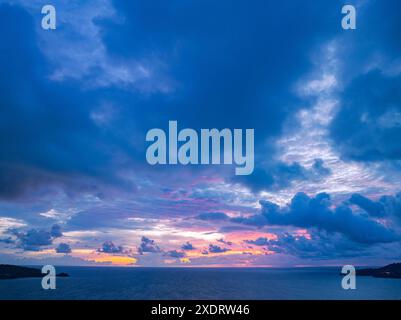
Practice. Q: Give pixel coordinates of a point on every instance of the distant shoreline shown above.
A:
(9, 272)
(391, 271)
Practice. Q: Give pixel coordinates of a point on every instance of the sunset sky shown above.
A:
(76, 104)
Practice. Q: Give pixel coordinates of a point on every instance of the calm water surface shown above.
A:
(202, 283)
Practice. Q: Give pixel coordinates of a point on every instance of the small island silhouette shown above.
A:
(16, 272)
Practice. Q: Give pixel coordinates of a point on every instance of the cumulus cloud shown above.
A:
(187, 246)
(316, 212)
(148, 245)
(35, 239)
(317, 245)
(63, 248)
(56, 231)
(110, 247)
(217, 249)
(373, 208)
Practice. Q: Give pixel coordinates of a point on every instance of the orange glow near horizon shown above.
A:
(104, 258)
(114, 260)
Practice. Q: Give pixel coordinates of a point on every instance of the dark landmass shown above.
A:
(63, 275)
(17, 272)
(392, 271)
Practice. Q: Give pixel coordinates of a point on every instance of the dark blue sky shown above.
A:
(77, 102)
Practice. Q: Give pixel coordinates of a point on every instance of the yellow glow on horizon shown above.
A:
(114, 260)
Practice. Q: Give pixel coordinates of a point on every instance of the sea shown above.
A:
(111, 283)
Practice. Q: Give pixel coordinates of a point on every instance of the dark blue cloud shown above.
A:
(56, 231)
(187, 246)
(46, 133)
(319, 169)
(225, 60)
(392, 204)
(276, 175)
(371, 207)
(212, 216)
(316, 212)
(368, 126)
(319, 245)
(63, 248)
(7, 240)
(34, 239)
(224, 63)
(110, 247)
(148, 245)
(217, 249)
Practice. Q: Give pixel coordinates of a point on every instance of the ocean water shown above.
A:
(201, 283)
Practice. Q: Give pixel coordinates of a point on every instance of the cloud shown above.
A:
(213, 216)
(368, 126)
(316, 212)
(259, 241)
(392, 204)
(319, 170)
(318, 245)
(56, 231)
(7, 240)
(148, 245)
(375, 209)
(164, 59)
(277, 175)
(110, 247)
(216, 249)
(175, 254)
(187, 246)
(63, 248)
(50, 145)
(44, 154)
(32, 239)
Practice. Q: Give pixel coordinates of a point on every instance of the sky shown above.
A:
(76, 104)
